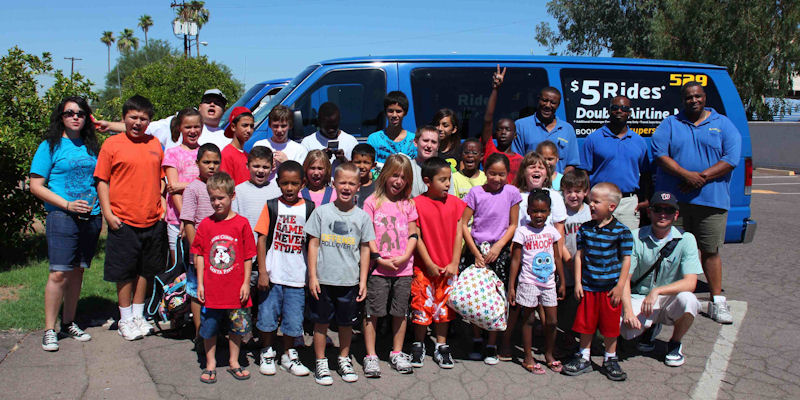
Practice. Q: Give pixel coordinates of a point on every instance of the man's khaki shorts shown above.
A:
(707, 224)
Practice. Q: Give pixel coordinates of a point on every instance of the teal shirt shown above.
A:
(685, 259)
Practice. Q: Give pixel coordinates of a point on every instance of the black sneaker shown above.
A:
(576, 366)
(612, 370)
(442, 357)
(647, 342)
(417, 354)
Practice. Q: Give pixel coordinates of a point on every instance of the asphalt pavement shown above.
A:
(756, 357)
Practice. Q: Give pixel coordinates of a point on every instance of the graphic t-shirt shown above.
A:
(185, 162)
(234, 162)
(224, 245)
(514, 159)
(461, 184)
(390, 221)
(538, 265)
(384, 147)
(67, 171)
(286, 258)
(571, 225)
(196, 203)
(438, 221)
(491, 212)
(250, 200)
(340, 234)
(132, 168)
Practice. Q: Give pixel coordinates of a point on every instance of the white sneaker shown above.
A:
(72, 330)
(720, 312)
(291, 363)
(128, 330)
(346, 370)
(401, 362)
(267, 361)
(144, 327)
(50, 340)
(322, 374)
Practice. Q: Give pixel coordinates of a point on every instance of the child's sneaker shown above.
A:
(291, 363)
(477, 350)
(322, 374)
(674, 356)
(128, 330)
(346, 370)
(720, 312)
(72, 330)
(401, 362)
(417, 354)
(612, 370)
(371, 367)
(647, 342)
(491, 356)
(577, 365)
(50, 340)
(267, 361)
(442, 357)
(144, 327)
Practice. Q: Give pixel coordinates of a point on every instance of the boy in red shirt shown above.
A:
(435, 262)
(505, 133)
(223, 248)
(234, 159)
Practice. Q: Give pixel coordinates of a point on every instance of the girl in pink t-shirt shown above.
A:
(318, 177)
(394, 217)
(180, 168)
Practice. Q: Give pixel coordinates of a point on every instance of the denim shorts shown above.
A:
(283, 303)
(214, 321)
(71, 242)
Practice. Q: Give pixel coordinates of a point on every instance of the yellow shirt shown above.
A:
(461, 185)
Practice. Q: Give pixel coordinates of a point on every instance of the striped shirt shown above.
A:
(603, 249)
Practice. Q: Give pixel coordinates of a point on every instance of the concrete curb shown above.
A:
(773, 171)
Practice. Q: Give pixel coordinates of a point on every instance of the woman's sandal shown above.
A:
(534, 368)
(212, 376)
(236, 371)
(555, 366)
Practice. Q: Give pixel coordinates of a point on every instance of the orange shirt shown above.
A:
(132, 168)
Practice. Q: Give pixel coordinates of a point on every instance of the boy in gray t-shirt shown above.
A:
(338, 265)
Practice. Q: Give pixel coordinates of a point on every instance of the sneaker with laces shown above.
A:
(674, 356)
(346, 370)
(72, 330)
(612, 370)
(50, 340)
(477, 350)
(267, 361)
(417, 354)
(647, 342)
(576, 366)
(128, 330)
(371, 367)
(720, 312)
(322, 374)
(442, 357)
(144, 327)
(401, 362)
(491, 356)
(291, 363)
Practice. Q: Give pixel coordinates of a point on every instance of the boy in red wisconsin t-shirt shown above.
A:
(224, 247)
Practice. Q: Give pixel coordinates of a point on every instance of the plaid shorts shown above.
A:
(529, 295)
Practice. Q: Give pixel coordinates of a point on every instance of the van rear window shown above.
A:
(466, 91)
(654, 96)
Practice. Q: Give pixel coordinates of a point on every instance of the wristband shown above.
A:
(413, 236)
(374, 256)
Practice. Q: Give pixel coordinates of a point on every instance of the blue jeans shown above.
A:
(284, 302)
(71, 242)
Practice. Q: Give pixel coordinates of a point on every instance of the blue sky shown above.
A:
(265, 40)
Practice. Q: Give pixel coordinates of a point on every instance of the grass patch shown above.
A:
(25, 308)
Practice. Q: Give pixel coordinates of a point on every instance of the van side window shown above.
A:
(466, 91)
(654, 96)
(358, 93)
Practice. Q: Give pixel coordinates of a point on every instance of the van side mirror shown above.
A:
(297, 125)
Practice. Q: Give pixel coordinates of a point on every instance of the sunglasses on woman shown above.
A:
(72, 113)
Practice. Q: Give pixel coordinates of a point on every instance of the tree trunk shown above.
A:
(197, 43)
(145, 38)
(109, 58)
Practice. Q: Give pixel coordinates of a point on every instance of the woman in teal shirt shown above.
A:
(62, 177)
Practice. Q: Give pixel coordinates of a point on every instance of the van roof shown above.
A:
(518, 58)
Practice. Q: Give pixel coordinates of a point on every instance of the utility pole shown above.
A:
(175, 4)
(72, 65)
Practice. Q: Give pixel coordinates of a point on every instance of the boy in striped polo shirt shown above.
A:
(602, 263)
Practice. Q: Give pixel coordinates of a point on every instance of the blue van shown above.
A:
(256, 97)
(462, 83)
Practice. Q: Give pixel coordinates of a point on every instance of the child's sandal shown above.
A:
(555, 366)
(534, 368)
(212, 376)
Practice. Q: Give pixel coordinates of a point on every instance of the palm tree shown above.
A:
(145, 22)
(127, 41)
(108, 40)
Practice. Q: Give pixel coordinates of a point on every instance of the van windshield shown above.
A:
(241, 102)
(262, 112)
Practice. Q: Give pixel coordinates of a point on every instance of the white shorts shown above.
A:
(626, 212)
(530, 296)
(666, 310)
(172, 235)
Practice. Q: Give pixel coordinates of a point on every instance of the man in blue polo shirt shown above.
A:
(618, 155)
(545, 126)
(696, 150)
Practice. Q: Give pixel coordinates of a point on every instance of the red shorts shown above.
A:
(596, 312)
(429, 298)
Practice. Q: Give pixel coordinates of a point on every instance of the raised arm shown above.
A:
(488, 117)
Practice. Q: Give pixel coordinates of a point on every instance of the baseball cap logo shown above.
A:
(665, 196)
